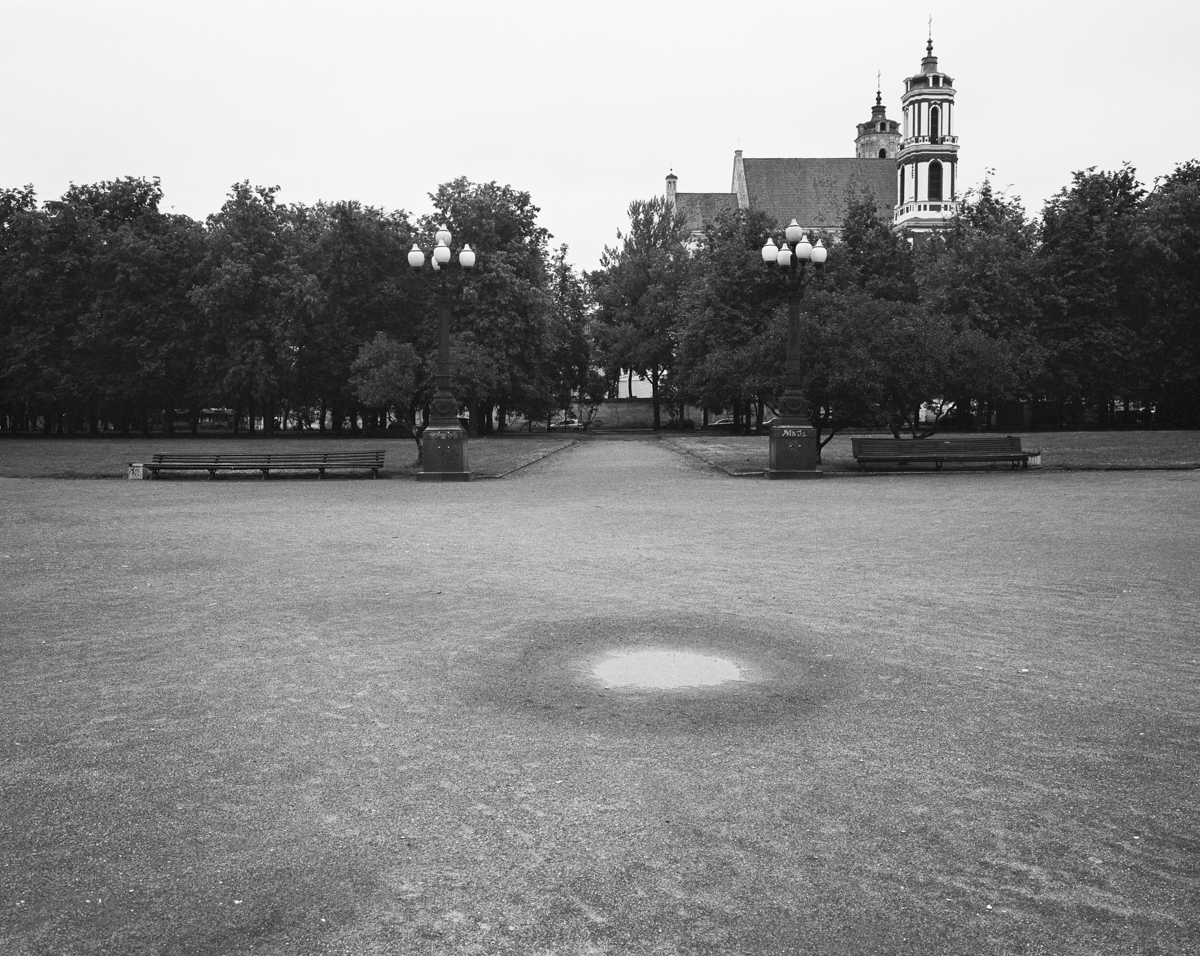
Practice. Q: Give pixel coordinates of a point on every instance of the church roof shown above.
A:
(815, 191)
(696, 209)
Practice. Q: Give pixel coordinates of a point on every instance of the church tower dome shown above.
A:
(927, 168)
(879, 138)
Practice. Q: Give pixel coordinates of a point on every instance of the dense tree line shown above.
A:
(1087, 315)
(114, 314)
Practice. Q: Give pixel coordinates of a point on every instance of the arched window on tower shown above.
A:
(883, 154)
(935, 181)
(903, 171)
(935, 124)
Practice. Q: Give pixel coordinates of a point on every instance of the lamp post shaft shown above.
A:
(444, 441)
(793, 410)
(794, 449)
(444, 406)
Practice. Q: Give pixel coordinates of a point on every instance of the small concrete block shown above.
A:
(137, 471)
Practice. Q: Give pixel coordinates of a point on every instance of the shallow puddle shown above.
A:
(665, 669)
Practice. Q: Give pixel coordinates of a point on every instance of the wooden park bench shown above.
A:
(907, 451)
(319, 461)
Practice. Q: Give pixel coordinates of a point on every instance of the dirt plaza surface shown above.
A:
(356, 716)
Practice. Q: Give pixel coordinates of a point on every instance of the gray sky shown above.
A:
(587, 106)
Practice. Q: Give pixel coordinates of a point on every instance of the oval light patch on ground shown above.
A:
(665, 669)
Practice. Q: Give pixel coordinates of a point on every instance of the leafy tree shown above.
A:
(384, 376)
(258, 300)
(44, 279)
(872, 258)
(95, 317)
(359, 257)
(1093, 311)
(727, 333)
(140, 328)
(982, 274)
(567, 370)
(1165, 249)
(638, 288)
(502, 314)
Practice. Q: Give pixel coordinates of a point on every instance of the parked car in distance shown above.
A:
(567, 425)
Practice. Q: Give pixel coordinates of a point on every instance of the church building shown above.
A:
(908, 167)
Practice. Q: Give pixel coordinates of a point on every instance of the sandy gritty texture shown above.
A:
(348, 717)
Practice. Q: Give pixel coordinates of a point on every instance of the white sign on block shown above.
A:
(137, 471)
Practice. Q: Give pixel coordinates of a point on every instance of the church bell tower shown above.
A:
(927, 168)
(879, 138)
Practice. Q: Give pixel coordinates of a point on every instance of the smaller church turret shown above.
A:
(927, 174)
(879, 138)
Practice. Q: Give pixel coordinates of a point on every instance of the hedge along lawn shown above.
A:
(1067, 450)
(108, 456)
(358, 717)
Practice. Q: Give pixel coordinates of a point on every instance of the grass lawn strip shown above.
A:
(107, 457)
(747, 455)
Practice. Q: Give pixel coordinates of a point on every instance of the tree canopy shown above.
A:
(115, 313)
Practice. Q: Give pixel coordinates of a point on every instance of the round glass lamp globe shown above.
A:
(416, 258)
(442, 253)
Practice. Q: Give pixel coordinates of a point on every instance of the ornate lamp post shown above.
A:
(444, 441)
(795, 452)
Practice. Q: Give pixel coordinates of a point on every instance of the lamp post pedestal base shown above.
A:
(444, 453)
(795, 452)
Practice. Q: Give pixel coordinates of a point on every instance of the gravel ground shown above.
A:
(359, 717)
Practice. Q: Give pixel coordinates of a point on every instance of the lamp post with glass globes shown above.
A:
(795, 451)
(444, 441)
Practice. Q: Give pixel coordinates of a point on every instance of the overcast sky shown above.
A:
(585, 105)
